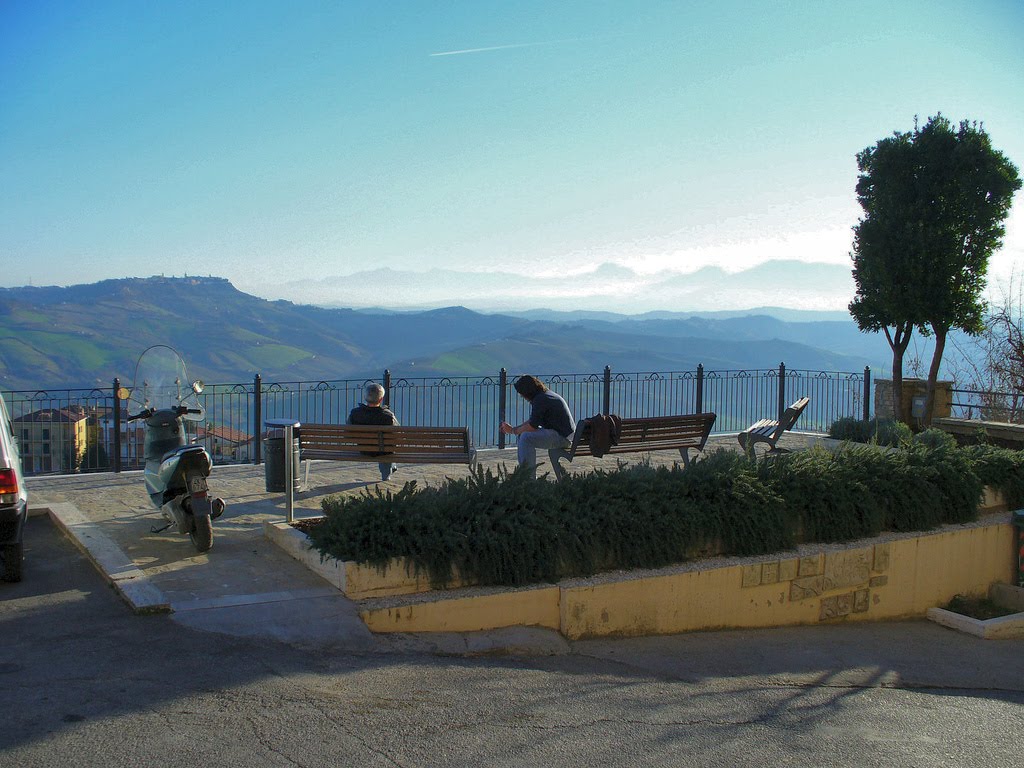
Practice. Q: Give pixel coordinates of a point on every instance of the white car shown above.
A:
(13, 499)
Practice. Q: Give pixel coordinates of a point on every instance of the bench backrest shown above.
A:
(325, 439)
(659, 433)
(791, 415)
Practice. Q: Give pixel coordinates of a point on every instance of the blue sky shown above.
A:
(273, 141)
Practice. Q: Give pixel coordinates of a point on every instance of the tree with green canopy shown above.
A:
(934, 203)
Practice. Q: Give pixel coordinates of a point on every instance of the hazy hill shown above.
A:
(86, 335)
(610, 287)
(572, 349)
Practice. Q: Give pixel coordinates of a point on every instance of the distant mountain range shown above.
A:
(611, 287)
(85, 335)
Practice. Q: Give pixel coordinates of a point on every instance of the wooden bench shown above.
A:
(657, 433)
(770, 430)
(402, 445)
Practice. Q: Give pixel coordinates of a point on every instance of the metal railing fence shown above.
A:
(988, 406)
(82, 430)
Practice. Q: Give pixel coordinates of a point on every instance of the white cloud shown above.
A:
(829, 246)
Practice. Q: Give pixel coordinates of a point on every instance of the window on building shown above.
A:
(46, 434)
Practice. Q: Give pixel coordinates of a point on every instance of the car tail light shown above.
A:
(8, 486)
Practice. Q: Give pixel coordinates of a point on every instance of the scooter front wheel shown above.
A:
(202, 532)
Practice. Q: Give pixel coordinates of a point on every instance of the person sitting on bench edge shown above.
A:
(550, 425)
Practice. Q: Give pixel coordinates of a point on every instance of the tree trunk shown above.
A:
(933, 374)
(898, 340)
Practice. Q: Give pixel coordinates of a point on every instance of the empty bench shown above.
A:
(657, 433)
(403, 445)
(770, 430)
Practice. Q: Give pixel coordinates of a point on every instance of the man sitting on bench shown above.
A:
(550, 424)
(374, 413)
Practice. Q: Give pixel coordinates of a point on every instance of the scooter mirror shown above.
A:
(197, 386)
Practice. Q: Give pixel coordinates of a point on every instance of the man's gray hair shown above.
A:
(374, 393)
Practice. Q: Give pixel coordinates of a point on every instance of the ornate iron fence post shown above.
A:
(867, 393)
(607, 402)
(699, 404)
(387, 387)
(257, 417)
(117, 425)
(782, 390)
(502, 387)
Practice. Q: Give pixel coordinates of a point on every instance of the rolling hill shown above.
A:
(85, 335)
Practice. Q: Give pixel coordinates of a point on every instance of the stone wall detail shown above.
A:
(840, 581)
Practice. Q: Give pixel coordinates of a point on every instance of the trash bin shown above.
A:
(273, 462)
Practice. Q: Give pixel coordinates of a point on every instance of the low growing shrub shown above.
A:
(506, 528)
(876, 431)
(1000, 468)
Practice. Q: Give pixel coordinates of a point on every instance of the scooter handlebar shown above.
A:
(181, 410)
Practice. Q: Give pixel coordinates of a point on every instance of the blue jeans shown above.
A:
(528, 443)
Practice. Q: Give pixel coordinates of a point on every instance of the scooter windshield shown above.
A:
(162, 382)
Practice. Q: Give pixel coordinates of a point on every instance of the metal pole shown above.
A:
(502, 387)
(867, 393)
(117, 425)
(782, 390)
(699, 405)
(257, 409)
(387, 387)
(607, 406)
(289, 470)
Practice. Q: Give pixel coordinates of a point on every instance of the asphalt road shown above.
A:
(85, 682)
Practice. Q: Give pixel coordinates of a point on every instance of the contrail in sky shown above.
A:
(497, 48)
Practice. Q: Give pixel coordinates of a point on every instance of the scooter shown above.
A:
(176, 472)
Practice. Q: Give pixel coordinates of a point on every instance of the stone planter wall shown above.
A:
(885, 407)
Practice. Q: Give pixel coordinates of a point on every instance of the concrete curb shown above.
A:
(296, 544)
(989, 629)
(130, 582)
(1004, 595)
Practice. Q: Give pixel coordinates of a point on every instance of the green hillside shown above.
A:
(85, 335)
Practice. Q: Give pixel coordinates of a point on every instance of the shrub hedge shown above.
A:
(506, 528)
(876, 431)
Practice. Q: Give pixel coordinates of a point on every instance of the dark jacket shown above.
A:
(601, 433)
(373, 416)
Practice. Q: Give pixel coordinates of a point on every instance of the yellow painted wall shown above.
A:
(678, 603)
(928, 571)
(897, 579)
(527, 608)
(399, 578)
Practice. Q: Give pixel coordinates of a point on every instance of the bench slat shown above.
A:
(770, 430)
(657, 433)
(409, 445)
